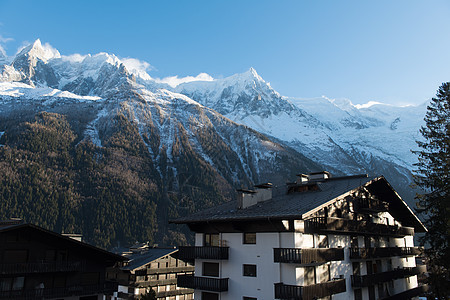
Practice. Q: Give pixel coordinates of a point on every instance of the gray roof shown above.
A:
(146, 256)
(282, 205)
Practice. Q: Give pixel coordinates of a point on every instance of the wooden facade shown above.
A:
(39, 264)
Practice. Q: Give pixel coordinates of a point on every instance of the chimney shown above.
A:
(302, 179)
(319, 176)
(246, 198)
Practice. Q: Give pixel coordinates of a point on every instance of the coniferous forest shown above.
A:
(128, 188)
(109, 194)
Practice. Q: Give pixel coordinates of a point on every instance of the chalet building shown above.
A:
(36, 263)
(317, 238)
(152, 268)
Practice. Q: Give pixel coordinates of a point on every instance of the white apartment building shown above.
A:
(318, 238)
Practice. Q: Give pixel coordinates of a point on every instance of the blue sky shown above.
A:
(388, 51)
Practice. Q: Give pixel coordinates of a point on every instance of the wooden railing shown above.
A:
(369, 253)
(203, 283)
(176, 292)
(42, 267)
(408, 294)
(207, 252)
(307, 256)
(371, 279)
(107, 289)
(347, 226)
(309, 292)
(151, 271)
(371, 205)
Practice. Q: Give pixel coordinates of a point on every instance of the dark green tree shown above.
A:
(433, 176)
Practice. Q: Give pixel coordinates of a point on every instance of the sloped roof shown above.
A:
(140, 259)
(282, 205)
(81, 246)
(298, 205)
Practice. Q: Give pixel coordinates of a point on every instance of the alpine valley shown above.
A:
(90, 144)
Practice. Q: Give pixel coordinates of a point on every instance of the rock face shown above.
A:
(374, 139)
(213, 135)
(142, 142)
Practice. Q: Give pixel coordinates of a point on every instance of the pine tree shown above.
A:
(433, 176)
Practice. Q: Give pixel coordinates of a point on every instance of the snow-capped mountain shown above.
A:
(373, 138)
(39, 78)
(345, 138)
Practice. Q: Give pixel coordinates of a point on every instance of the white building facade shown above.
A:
(325, 238)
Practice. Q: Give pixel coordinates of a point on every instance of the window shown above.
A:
(250, 270)
(210, 269)
(249, 238)
(323, 241)
(309, 275)
(356, 268)
(249, 298)
(211, 239)
(210, 296)
(358, 294)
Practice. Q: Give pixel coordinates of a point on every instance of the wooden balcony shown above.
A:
(371, 279)
(151, 271)
(370, 253)
(174, 293)
(408, 294)
(42, 267)
(210, 252)
(203, 283)
(347, 226)
(313, 256)
(370, 205)
(107, 288)
(309, 292)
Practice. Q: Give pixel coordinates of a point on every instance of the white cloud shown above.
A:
(137, 67)
(49, 51)
(3, 41)
(73, 58)
(2, 52)
(22, 46)
(368, 104)
(173, 81)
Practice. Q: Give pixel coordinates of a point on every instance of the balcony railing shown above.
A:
(203, 283)
(346, 226)
(42, 267)
(370, 205)
(309, 292)
(307, 256)
(371, 279)
(369, 253)
(210, 252)
(408, 294)
(107, 289)
(152, 271)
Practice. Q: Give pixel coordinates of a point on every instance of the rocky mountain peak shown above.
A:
(38, 51)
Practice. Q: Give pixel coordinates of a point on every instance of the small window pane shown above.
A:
(250, 270)
(212, 239)
(249, 238)
(211, 269)
(210, 296)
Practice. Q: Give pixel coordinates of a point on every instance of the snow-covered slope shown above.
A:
(39, 78)
(345, 138)
(373, 138)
